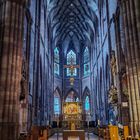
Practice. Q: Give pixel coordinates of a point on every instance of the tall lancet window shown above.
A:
(57, 103)
(86, 62)
(87, 105)
(56, 61)
(71, 60)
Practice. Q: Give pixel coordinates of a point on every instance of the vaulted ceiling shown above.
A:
(72, 19)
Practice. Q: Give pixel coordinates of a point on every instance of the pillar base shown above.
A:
(9, 131)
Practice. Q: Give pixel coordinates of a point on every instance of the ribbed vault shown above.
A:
(72, 19)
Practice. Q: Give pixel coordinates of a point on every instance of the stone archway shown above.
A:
(86, 106)
(86, 94)
(72, 96)
(57, 102)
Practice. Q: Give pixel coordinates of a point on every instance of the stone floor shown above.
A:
(91, 137)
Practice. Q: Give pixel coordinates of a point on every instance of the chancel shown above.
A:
(69, 69)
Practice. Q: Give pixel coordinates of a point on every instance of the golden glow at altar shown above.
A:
(72, 110)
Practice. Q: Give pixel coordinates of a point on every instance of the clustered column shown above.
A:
(132, 41)
(11, 39)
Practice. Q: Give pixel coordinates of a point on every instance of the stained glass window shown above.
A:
(68, 99)
(71, 97)
(56, 55)
(56, 61)
(71, 60)
(87, 105)
(56, 68)
(86, 62)
(71, 57)
(86, 69)
(77, 99)
(56, 103)
(86, 55)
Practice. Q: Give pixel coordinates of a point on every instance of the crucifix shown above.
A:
(71, 67)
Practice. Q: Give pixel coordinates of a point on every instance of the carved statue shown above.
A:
(113, 63)
(113, 96)
(124, 84)
(23, 82)
(113, 115)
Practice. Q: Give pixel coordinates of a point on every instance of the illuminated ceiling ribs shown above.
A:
(72, 18)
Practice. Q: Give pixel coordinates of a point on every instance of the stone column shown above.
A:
(132, 41)
(121, 74)
(11, 30)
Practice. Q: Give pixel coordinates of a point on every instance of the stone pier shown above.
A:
(11, 40)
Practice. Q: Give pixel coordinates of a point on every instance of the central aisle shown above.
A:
(91, 137)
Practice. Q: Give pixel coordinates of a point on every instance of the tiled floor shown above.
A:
(91, 137)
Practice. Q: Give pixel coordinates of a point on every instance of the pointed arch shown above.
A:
(86, 100)
(71, 95)
(71, 46)
(59, 91)
(86, 92)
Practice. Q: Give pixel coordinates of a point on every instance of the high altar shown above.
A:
(72, 118)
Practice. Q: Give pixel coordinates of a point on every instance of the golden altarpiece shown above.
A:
(72, 115)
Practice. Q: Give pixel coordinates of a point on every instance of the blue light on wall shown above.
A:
(77, 99)
(86, 69)
(56, 68)
(56, 62)
(56, 103)
(86, 62)
(87, 104)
